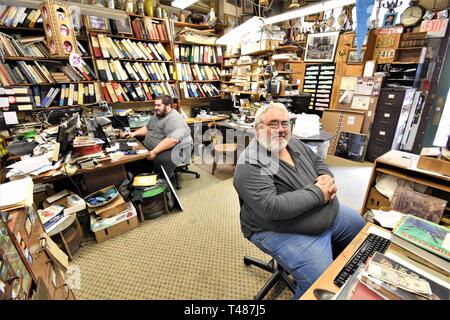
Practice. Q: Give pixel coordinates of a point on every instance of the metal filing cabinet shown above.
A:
(390, 121)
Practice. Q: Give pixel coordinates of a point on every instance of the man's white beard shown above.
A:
(274, 145)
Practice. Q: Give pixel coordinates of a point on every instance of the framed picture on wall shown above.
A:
(321, 47)
(97, 24)
(352, 57)
(248, 6)
(314, 17)
(389, 20)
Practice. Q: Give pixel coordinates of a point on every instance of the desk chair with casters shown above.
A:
(221, 148)
(183, 168)
(278, 274)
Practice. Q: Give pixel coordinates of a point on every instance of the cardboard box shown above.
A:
(68, 208)
(257, 46)
(428, 161)
(113, 208)
(105, 229)
(376, 200)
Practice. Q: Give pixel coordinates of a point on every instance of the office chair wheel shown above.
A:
(197, 176)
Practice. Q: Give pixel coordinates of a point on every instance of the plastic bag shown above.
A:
(307, 125)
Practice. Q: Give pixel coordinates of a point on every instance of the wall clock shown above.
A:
(412, 15)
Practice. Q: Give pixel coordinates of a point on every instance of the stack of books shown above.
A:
(392, 278)
(424, 241)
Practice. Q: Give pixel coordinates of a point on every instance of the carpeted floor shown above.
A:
(195, 254)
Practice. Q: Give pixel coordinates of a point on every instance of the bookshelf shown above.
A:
(125, 69)
(27, 64)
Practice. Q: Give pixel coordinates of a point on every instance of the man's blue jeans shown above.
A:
(307, 257)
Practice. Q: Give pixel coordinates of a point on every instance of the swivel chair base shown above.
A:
(183, 169)
(278, 274)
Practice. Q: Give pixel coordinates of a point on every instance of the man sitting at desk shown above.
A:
(162, 133)
(288, 200)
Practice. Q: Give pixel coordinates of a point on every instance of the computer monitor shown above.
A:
(119, 122)
(57, 116)
(99, 133)
(66, 133)
(300, 103)
(221, 105)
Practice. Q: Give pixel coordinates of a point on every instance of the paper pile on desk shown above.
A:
(34, 166)
(16, 194)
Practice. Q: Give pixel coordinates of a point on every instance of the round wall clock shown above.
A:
(412, 15)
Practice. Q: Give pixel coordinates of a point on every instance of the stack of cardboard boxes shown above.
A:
(113, 218)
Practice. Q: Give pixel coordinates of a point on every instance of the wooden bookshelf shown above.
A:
(91, 60)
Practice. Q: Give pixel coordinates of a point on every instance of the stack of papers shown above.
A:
(34, 166)
(16, 194)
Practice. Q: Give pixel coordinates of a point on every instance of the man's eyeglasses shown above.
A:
(275, 124)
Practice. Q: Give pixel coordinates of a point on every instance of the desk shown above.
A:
(249, 131)
(325, 281)
(202, 120)
(106, 173)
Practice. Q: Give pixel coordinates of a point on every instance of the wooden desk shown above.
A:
(403, 165)
(201, 120)
(106, 173)
(325, 281)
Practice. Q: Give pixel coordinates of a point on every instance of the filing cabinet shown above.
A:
(389, 122)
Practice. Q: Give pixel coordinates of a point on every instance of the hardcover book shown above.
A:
(418, 204)
(425, 234)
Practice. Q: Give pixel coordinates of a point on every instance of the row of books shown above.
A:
(67, 95)
(198, 90)
(20, 48)
(33, 47)
(107, 47)
(136, 91)
(191, 72)
(17, 99)
(16, 16)
(123, 71)
(147, 28)
(35, 73)
(198, 54)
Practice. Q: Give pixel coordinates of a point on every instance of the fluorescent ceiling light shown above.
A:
(85, 9)
(237, 33)
(307, 10)
(182, 3)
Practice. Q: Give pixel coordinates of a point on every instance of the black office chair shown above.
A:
(278, 274)
(183, 168)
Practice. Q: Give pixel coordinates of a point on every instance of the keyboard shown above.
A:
(373, 243)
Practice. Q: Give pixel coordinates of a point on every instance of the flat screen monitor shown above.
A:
(221, 105)
(66, 133)
(119, 122)
(300, 103)
(55, 117)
